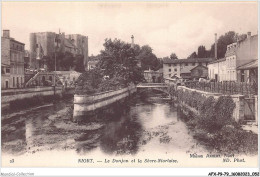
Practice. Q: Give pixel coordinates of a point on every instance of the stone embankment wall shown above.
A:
(86, 103)
(17, 94)
(239, 100)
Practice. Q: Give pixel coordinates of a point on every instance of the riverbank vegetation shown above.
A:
(117, 68)
(214, 126)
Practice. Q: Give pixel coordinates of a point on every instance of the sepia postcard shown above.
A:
(130, 84)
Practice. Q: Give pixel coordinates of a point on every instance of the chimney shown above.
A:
(6, 33)
(216, 45)
(132, 44)
(248, 35)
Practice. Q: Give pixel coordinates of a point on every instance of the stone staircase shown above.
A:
(33, 78)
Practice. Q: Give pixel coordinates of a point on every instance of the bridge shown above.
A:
(155, 86)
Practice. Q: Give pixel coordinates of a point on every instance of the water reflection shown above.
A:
(122, 129)
(121, 137)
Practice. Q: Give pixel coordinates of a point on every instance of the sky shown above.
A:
(168, 27)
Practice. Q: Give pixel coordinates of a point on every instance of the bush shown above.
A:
(92, 82)
(215, 126)
(112, 84)
(213, 114)
(88, 82)
(230, 139)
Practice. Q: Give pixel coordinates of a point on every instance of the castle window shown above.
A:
(170, 70)
(2, 70)
(186, 64)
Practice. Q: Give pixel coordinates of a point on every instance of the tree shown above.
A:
(193, 55)
(50, 61)
(78, 63)
(148, 58)
(202, 53)
(89, 81)
(119, 60)
(173, 56)
(94, 58)
(66, 62)
(241, 37)
(223, 41)
(166, 58)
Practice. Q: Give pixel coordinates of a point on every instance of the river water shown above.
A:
(145, 125)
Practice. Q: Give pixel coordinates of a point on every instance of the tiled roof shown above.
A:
(66, 72)
(199, 66)
(152, 71)
(12, 39)
(190, 60)
(187, 69)
(218, 60)
(249, 65)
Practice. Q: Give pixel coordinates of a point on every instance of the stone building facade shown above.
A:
(81, 44)
(5, 60)
(43, 44)
(237, 55)
(153, 76)
(199, 71)
(217, 70)
(12, 62)
(92, 64)
(176, 67)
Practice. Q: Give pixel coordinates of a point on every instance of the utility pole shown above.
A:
(57, 45)
(216, 46)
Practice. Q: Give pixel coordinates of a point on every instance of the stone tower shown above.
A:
(132, 44)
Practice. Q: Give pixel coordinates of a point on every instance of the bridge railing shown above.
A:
(151, 84)
(225, 87)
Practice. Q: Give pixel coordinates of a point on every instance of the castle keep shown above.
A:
(43, 44)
